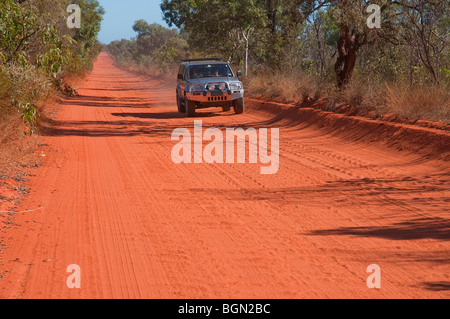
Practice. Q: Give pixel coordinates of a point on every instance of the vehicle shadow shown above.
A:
(156, 116)
(171, 115)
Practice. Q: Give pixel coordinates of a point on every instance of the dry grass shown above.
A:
(21, 84)
(361, 96)
(29, 84)
(16, 151)
(283, 88)
(422, 102)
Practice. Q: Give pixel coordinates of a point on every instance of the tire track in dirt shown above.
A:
(141, 226)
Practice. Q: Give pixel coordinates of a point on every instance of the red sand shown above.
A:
(348, 193)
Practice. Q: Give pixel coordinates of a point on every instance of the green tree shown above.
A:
(221, 27)
(87, 46)
(410, 23)
(37, 48)
(161, 45)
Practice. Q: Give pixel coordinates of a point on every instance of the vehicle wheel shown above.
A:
(226, 108)
(238, 106)
(180, 105)
(190, 108)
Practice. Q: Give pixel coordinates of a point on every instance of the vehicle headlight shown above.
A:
(235, 86)
(196, 87)
(211, 87)
(222, 86)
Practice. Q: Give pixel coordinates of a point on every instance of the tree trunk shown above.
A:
(246, 40)
(347, 48)
(246, 57)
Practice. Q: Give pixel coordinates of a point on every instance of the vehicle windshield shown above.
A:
(209, 70)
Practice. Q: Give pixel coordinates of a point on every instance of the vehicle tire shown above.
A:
(226, 108)
(238, 106)
(190, 107)
(180, 105)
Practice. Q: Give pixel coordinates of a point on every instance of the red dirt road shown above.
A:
(110, 199)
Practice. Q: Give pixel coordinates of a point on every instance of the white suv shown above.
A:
(204, 83)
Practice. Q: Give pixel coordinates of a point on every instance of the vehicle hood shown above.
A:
(211, 80)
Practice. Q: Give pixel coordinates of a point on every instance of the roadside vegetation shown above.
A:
(155, 50)
(305, 50)
(39, 54)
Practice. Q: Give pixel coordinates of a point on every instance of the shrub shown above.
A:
(282, 86)
(426, 102)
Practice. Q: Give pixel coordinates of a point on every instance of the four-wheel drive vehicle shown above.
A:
(204, 83)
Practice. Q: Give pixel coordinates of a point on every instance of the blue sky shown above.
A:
(121, 14)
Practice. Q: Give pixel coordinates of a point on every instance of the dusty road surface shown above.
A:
(109, 199)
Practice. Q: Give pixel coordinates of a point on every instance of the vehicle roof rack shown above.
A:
(201, 60)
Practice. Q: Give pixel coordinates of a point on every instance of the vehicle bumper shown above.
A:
(211, 97)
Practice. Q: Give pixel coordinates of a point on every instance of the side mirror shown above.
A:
(180, 77)
(239, 73)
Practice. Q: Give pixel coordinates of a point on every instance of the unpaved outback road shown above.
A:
(140, 226)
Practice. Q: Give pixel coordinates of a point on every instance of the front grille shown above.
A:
(217, 98)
